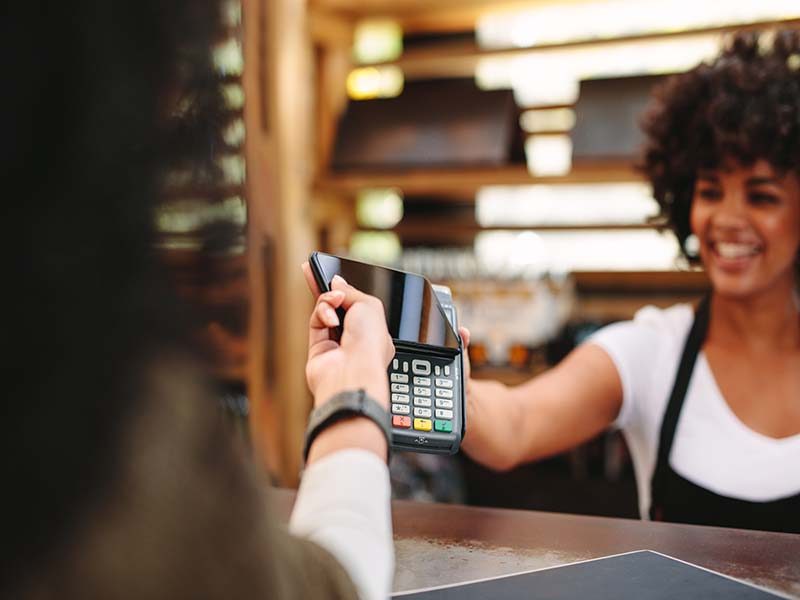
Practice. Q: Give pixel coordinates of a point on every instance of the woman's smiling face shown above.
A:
(747, 219)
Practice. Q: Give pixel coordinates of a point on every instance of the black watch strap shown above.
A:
(345, 405)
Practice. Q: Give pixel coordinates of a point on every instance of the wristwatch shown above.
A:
(346, 405)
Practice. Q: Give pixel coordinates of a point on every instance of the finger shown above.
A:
(334, 298)
(310, 281)
(320, 323)
(351, 294)
(465, 335)
(316, 322)
(326, 314)
(465, 338)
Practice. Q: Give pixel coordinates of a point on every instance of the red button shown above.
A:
(400, 421)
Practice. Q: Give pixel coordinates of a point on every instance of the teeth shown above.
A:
(729, 250)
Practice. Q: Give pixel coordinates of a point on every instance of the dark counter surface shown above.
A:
(438, 544)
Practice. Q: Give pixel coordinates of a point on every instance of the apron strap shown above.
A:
(669, 424)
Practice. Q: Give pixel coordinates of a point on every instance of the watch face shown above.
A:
(413, 313)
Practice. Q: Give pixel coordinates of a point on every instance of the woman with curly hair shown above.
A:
(708, 398)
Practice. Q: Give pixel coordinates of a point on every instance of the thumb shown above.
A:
(351, 294)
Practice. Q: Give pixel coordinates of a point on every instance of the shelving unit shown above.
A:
(335, 192)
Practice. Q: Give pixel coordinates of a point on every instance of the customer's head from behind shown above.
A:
(94, 339)
(723, 155)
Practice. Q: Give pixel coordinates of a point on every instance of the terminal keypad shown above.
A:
(422, 394)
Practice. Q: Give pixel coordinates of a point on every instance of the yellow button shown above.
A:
(423, 424)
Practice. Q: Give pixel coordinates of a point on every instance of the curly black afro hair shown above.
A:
(744, 105)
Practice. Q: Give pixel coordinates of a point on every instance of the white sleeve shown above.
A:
(633, 346)
(343, 505)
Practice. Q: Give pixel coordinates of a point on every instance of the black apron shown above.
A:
(676, 499)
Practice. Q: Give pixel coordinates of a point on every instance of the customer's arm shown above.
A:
(570, 403)
(343, 501)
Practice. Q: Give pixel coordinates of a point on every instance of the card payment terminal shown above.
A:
(426, 374)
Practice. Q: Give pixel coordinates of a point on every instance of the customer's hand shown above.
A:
(360, 358)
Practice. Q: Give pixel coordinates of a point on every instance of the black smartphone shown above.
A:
(426, 373)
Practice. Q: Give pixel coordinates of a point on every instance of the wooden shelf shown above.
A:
(609, 283)
(417, 16)
(467, 180)
(615, 296)
(621, 307)
(600, 296)
(626, 282)
(605, 297)
(460, 234)
(508, 375)
(459, 59)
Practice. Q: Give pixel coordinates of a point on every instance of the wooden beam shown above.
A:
(279, 68)
(330, 28)
(333, 63)
(264, 423)
(291, 117)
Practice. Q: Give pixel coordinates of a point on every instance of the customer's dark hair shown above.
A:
(89, 91)
(743, 105)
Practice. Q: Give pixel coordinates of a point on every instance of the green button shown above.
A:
(446, 426)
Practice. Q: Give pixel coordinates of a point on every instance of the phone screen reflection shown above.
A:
(413, 313)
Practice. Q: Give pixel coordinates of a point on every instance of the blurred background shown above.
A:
(489, 145)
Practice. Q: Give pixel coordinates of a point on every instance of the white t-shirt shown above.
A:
(712, 447)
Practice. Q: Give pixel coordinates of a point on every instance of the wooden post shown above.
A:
(280, 156)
